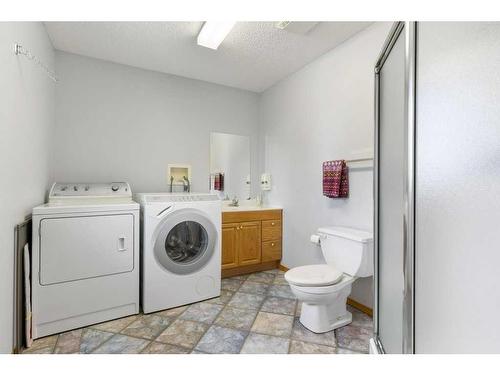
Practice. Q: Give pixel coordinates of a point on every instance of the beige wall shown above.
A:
(26, 126)
(119, 123)
(322, 112)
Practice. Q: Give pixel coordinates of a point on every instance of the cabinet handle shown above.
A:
(273, 223)
(272, 244)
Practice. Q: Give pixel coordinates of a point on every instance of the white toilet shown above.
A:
(324, 288)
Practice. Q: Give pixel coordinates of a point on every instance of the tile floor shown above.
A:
(255, 313)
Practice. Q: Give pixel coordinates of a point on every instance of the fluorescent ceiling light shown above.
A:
(213, 33)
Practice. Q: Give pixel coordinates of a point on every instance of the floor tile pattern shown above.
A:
(255, 313)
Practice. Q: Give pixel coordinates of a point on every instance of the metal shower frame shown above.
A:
(410, 33)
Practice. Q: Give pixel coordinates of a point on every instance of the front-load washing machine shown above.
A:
(181, 249)
(85, 258)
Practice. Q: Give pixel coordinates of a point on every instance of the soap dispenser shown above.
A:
(265, 181)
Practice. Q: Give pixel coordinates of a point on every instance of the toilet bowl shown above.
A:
(323, 288)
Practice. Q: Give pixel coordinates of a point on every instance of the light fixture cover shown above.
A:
(213, 33)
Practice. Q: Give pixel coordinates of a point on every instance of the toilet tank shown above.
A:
(348, 250)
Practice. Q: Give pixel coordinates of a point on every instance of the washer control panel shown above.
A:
(87, 190)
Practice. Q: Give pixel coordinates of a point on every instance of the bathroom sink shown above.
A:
(247, 205)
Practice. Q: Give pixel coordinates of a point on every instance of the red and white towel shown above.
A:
(335, 179)
(219, 182)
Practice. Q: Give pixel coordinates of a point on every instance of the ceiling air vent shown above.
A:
(281, 25)
(296, 27)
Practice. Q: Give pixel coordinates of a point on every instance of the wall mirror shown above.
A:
(230, 165)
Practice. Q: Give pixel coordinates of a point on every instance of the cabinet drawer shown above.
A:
(271, 230)
(271, 250)
(241, 216)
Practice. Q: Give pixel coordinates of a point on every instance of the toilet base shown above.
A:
(324, 318)
(325, 312)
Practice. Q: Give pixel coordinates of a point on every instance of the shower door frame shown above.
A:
(410, 31)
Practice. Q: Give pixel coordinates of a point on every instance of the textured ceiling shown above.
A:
(254, 56)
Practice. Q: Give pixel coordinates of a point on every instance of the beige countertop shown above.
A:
(249, 208)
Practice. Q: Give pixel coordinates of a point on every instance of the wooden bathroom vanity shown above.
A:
(251, 240)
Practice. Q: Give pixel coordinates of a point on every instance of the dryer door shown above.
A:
(82, 247)
(185, 241)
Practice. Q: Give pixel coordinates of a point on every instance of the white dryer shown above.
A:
(85, 266)
(181, 249)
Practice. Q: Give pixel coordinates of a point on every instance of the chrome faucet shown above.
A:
(187, 184)
(234, 202)
(260, 199)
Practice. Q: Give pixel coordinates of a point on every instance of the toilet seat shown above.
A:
(327, 289)
(316, 275)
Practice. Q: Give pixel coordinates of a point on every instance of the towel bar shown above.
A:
(357, 160)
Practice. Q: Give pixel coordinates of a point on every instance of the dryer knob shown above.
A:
(115, 187)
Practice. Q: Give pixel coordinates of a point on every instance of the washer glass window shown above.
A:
(186, 242)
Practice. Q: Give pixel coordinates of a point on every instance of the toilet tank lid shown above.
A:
(349, 233)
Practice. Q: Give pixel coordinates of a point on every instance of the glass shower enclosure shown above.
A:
(437, 189)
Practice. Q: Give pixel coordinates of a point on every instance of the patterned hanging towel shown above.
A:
(219, 182)
(335, 179)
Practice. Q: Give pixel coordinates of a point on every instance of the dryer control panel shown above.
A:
(63, 191)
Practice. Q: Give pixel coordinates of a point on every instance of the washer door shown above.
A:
(185, 241)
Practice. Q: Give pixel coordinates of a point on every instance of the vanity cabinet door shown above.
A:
(230, 245)
(250, 246)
